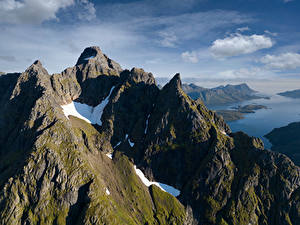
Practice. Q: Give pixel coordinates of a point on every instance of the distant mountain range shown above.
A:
(291, 94)
(222, 94)
(287, 140)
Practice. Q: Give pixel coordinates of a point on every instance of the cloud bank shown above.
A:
(283, 61)
(30, 11)
(239, 44)
(191, 57)
(37, 11)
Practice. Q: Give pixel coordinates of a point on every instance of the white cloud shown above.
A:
(88, 12)
(238, 44)
(30, 11)
(171, 31)
(242, 29)
(271, 33)
(191, 57)
(246, 73)
(286, 1)
(167, 39)
(283, 61)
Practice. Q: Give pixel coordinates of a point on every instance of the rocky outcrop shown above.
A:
(53, 169)
(286, 140)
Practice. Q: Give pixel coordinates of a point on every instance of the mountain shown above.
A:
(78, 147)
(220, 95)
(291, 94)
(287, 140)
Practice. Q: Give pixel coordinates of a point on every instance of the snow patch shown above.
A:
(70, 109)
(90, 57)
(107, 191)
(223, 132)
(117, 144)
(166, 188)
(147, 121)
(109, 155)
(130, 143)
(171, 190)
(88, 113)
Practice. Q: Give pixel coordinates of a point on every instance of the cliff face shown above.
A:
(54, 169)
(286, 140)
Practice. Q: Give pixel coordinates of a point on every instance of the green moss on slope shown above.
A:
(168, 209)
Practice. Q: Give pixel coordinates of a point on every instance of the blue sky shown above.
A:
(212, 41)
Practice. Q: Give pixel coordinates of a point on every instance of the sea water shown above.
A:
(280, 112)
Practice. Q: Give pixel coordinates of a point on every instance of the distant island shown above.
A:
(221, 95)
(287, 141)
(238, 112)
(291, 94)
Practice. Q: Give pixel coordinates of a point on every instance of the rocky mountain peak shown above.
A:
(89, 53)
(54, 166)
(175, 82)
(36, 66)
(38, 63)
(94, 55)
(139, 75)
(34, 77)
(93, 63)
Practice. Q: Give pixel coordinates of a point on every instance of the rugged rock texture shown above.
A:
(53, 169)
(287, 140)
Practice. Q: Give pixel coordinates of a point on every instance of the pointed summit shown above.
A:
(89, 53)
(92, 63)
(38, 63)
(174, 83)
(36, 68)
(94, 55)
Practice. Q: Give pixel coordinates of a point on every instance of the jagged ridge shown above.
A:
(53, 169)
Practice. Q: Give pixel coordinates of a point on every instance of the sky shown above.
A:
(211, 41)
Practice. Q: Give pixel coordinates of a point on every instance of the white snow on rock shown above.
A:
(70, 109)
(171, 190)
(90, 57)
(130, 143)
(88, 113)
(167, 188)
(147, 121)
(109, 155)
(107, 192)
(223, 132)
(117, 144)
